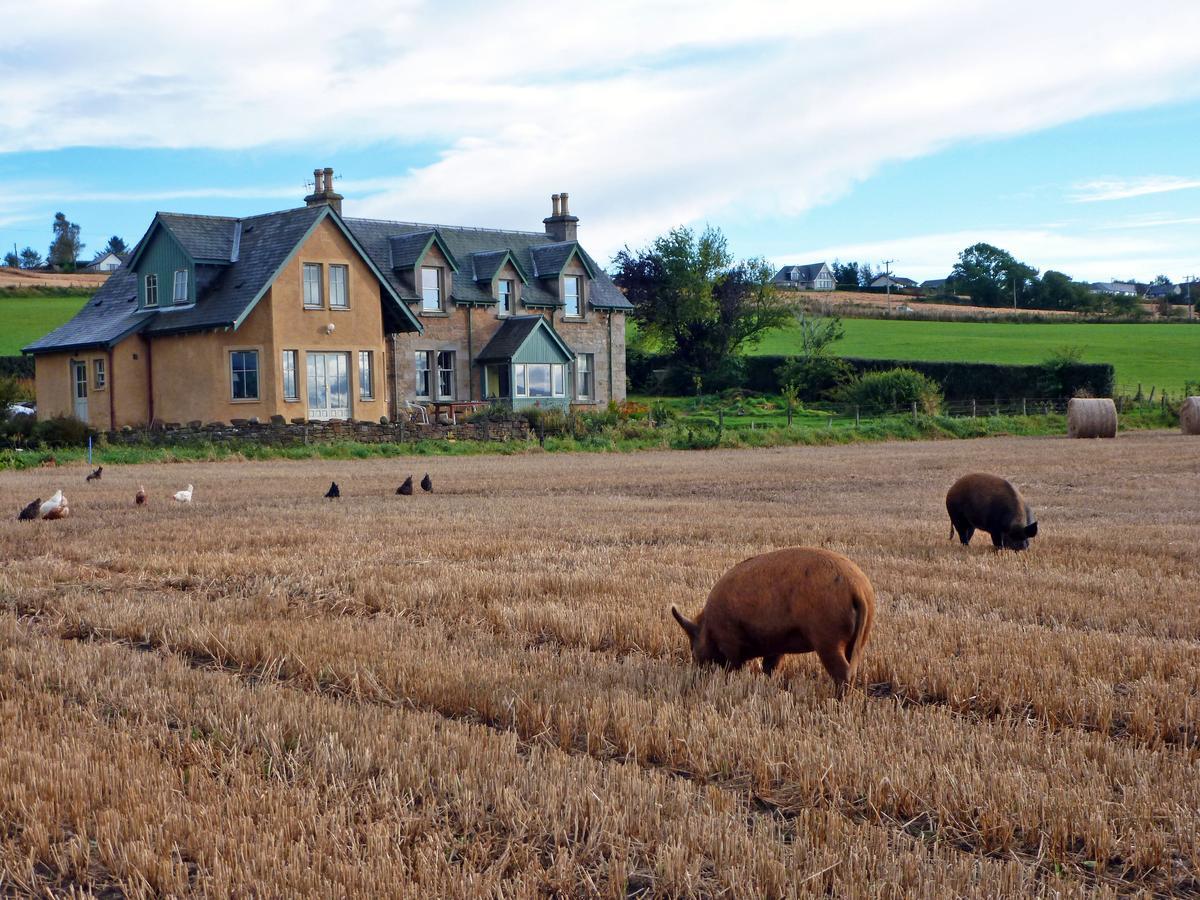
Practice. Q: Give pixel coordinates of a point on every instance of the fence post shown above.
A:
(914, 411)
(856, 418)
(1024, 410)
(972, 407)
(721, 421)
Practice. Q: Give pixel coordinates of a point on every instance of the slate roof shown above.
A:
(934, 283)
(379, 238)
(512, 334)
(228, 288)
(111, 315)
(486, 263)
(807, 272)
(203, 237)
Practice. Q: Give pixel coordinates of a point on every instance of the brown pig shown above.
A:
(993, 505)
(796, 600)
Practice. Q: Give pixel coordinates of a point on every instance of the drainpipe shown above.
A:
(470, 360)
(610, 365)
(112, 402)
(150, 381)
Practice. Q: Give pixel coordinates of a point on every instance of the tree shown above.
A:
(66, 246)
(696, 302)
(116, 245)
(11, 259)
(865, 275)
(846, 276)
(1160, 279)
(991, 276)
(30, 259)
(815, 371)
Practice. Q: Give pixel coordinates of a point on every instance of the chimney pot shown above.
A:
(563, 197)
(317, 181)
(328, 180)
(554, 204)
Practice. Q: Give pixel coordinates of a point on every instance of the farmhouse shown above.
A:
(808, 277)
(107, 261)
(306, 314)
(895, 281)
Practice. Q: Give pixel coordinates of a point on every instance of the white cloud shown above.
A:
(1124, 188)
(650, 114)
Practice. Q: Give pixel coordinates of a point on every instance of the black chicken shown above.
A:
(406, 488)
(95, 476)
(333, 493)
(30, 512)
(427, 483)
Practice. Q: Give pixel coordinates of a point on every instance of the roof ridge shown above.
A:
(435, 225)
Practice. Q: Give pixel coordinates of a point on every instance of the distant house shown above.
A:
(808, 277)
(894, 281)
(105, 262)
(1158, 291)
(934, 285)
(1115, 288)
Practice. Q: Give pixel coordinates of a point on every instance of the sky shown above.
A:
(1066, 131)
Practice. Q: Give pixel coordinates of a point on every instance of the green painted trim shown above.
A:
(577, 253)
(508, 257)
(327, 212)
(435, 237)
(458, 301)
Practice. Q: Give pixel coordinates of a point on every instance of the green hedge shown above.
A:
(957, 380)
(16, 366)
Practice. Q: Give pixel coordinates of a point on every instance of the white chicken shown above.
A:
(184, 496)
(55, 507)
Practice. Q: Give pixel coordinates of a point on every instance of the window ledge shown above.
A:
(247, 400)
(431, 314)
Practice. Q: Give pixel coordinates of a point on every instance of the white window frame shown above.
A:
(233, 354)
(578, 284)
(504, 297)
(99, 379)
(450, 370)
(435, 290)
(175, 293)
(366, 375)
(521, 381)
(423, 356)
(585, 371)
(319, 269)
(151, 290)
(291, 368)
(344, 273)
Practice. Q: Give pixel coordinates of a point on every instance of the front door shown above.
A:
(328, 385)
(79, 388)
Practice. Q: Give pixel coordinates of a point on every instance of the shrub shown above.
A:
(879, 391)
(814, 377)
(62, 431)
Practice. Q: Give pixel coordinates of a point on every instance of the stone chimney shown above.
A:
(561, 225)
(323, 193)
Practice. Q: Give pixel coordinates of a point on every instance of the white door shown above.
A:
(79, 388)
(328, 385)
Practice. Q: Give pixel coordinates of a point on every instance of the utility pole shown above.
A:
(887, 273)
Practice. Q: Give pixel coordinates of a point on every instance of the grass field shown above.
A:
(25, 319)
(480, 692)
(1161, 355)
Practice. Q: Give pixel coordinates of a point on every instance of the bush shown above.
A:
(895, 388)
(814, 377)
(62, 431)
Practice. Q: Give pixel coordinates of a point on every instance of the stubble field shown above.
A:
(480, 692)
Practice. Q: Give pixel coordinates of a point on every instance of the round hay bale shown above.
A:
(1088, 418)
(1189, 416)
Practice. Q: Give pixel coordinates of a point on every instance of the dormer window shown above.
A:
(504, 292)
(431, 289)
(151, 290)
(571, 296)
(180, 292)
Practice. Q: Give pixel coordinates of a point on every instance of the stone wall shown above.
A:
(287, 434)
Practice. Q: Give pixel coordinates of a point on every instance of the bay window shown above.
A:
(538, 380)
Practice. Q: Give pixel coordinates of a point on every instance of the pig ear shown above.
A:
(689, 627)
(1031, 530)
